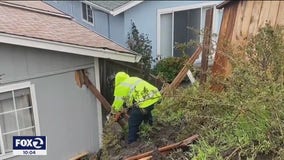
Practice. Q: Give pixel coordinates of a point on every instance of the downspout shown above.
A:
(108, 23)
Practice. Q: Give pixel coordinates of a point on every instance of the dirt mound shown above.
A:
(116, 147)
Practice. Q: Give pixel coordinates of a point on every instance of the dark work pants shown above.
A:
(137, 116)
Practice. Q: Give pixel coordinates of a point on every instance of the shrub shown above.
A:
(245, 121)
(140, 43)
(168, 68)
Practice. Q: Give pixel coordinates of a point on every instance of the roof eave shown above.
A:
(98, 7)
(69, 48)
(116, 11)
(125, 7)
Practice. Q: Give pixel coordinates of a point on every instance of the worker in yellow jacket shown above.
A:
(139, 97)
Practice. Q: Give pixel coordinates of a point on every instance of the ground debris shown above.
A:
(115, 143)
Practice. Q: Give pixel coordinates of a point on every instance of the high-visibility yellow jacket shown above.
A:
(133, 89)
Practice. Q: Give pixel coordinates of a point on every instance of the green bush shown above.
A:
(245, 121)
(168, 68)
(140, 43)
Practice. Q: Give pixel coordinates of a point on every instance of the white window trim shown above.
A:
(176, 9)
(1, 144)
(18, 86)
(99, 105)
(93, 15)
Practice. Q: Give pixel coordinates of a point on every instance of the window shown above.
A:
(181, 25)
(87, 13)
(18, 115)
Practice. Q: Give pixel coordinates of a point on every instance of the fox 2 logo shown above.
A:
(29, 143)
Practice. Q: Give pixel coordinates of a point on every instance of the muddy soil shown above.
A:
(116, 147)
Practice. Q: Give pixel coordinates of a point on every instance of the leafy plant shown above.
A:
(144, 131)
(244, 121)
(140, 43)
(168, 68)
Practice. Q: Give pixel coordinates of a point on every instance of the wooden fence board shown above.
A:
(264, 14)
(255, 17)
(273, 12)
(239, 20)
(280, 16)
(247, 18)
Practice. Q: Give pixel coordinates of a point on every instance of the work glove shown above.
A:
(108, 116)
(117, 116)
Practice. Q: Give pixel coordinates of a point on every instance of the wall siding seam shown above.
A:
(47, 74)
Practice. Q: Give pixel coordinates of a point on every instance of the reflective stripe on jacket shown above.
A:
(134, 89)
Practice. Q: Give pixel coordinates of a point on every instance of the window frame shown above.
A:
(172, 11)
(14, 87)
(82, 13)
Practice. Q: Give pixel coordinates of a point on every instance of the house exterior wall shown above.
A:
(117, 27)
(67, 113)
(20, 63)
(145, 17)
(106, 25)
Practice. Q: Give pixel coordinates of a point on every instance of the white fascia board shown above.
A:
(116, 11)
(68, 48)
(187, 7)
(125, 7)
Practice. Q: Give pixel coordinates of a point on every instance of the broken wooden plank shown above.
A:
(97, 93)
(146, 158)
(78, 78)
(206, 45)
(175, 83)
(83, 78)
(80, 156)
(180, 144)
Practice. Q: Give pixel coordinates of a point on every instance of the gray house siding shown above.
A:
(106, 25)
(117, 29)
(21, 63)
(67, 113)
(145, 17)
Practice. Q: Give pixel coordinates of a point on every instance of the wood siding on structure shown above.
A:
(241, 20)
(252, 15)
(228, 22)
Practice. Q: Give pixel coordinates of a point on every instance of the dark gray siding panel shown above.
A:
(21, 63)
(67, 114)
(67, 117)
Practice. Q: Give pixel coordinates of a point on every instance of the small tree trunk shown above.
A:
(206, 45)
